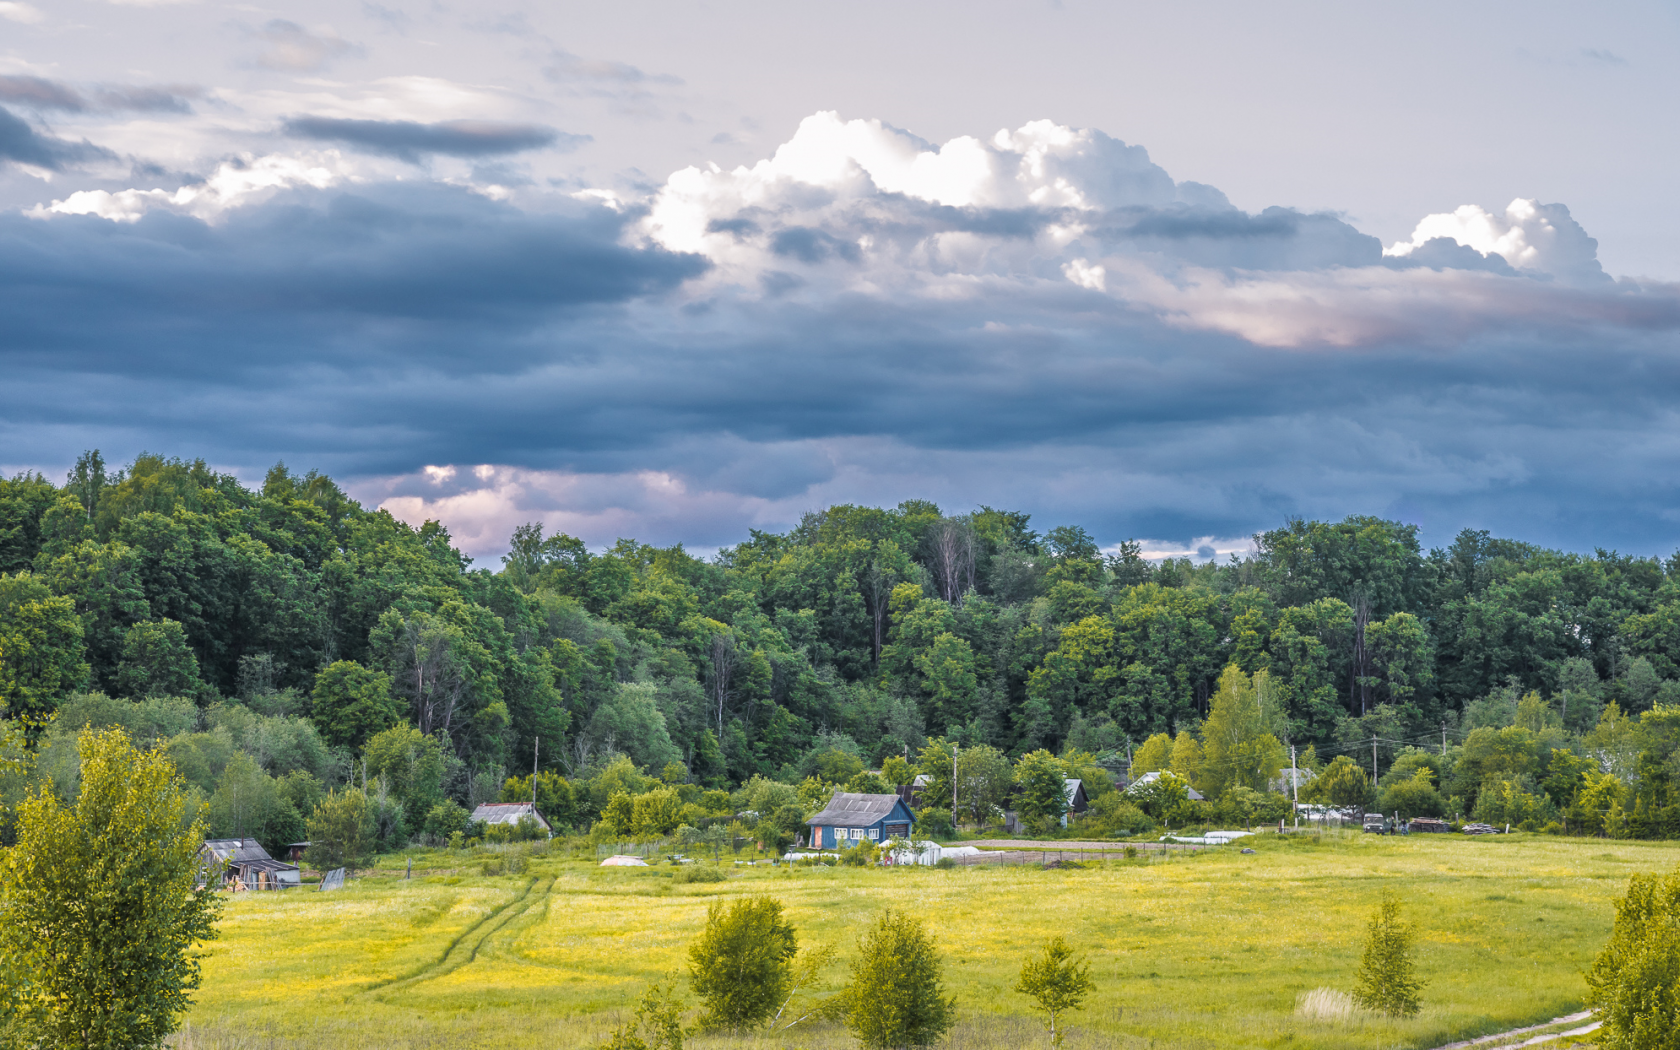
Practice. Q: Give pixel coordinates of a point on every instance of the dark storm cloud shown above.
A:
(411, 141)
(25, 145)
(368, 332)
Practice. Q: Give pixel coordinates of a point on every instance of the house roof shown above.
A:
(236, 851)
(507, 813)
(848, 810)
(1150, 778)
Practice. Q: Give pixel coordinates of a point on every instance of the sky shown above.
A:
(674, 271)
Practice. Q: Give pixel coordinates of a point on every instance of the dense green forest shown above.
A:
(283, 643)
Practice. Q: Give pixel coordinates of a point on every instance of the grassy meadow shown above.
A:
(1204, 950)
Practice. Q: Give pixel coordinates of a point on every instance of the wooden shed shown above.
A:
(852, 818)
(246, 865)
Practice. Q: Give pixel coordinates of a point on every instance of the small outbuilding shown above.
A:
(246, 865)
(852, 818)
(510, 813)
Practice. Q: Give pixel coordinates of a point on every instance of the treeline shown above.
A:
(305, 643)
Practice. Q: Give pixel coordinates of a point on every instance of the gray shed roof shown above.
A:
(236, 851)
(848, 810)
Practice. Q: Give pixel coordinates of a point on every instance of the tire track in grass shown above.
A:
(474, 935)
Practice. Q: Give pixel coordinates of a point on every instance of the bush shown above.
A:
(741, 964)
(444, 821)
(861, 855)
(897, 994)
(934, 824)
(696, 873)
(1631, 984)
(1115, 814)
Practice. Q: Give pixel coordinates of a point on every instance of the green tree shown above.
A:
(1056, 980)
(1043, 790)
(741, 964)
(1187, 759)
(896, 998)
(352, 703)
(156, 661)
(101, 906)
(1152, 755)
(41, 653)
(983, 782)
(341, 831)
(1236, 749)
(1387, 981)
(413, 766)
(1342, 784)
(1632, 983)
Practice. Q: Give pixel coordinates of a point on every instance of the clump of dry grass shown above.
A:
(1327, 1004)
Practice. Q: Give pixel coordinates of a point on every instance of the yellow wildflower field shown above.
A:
(1207, 950)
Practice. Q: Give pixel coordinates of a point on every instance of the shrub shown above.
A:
(1387, 982)
(861, 855)
(494, 866)
(1058, 981)
(656, 1025)
(1115, 814)
(740, 964)
(696, 873)
(1632, 983)
(934, 824)
(897, 995)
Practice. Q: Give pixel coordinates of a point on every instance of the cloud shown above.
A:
(241, 181)
(22, 144)
(41, 94)
(1041, 319)
(28, 14)
(1541, 238)
(566, 67)
(409, 140)
(293, 48)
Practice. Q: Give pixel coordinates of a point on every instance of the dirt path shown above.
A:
(1537, 1034)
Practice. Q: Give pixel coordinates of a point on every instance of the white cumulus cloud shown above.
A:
(1529, 235)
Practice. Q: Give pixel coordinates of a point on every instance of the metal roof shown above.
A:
(507, 813)
(848, 810)
(236, 851)
(1150, 778)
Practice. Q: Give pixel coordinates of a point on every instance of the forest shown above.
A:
(285, 643)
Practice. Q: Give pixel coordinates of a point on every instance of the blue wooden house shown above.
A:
(849, 819)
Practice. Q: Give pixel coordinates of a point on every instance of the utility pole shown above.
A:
(1373, 760)
(953, 787)
(1295, 782)
(536, 749)
(1443, 739)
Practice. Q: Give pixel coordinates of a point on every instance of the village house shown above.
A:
(510, 813)
(1150, 778)
(852, 818)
